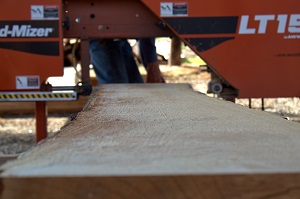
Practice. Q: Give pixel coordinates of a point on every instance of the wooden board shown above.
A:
(5, 158)
(161, 141)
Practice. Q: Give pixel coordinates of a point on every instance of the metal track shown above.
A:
(37, 96)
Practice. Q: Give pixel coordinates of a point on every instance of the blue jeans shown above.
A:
(114, 62)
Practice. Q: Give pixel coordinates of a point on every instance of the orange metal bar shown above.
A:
(41, 120)
(110, 19)
(85, 61)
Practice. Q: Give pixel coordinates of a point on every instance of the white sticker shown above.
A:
(27, 82)
(44, 12)
(37, 12)
(166, 9)
(169, 9)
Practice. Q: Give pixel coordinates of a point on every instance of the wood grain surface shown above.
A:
(161, 141)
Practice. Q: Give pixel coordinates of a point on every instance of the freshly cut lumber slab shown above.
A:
(161, 141)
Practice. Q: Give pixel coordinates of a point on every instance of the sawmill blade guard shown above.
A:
(252, 46)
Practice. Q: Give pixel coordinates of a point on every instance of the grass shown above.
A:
(193, 61)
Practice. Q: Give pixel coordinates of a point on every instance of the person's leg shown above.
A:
(107, 60)
(148, 54)
(147, 50)
(133, 72)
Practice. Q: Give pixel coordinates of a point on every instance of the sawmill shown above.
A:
(155, 140)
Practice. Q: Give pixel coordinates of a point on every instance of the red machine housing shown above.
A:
(252, 45)
(31, 43)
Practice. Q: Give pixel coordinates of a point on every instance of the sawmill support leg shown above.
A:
(85, 61)
(41, 120)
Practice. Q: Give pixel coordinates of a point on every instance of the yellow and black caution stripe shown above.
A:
(38, 96)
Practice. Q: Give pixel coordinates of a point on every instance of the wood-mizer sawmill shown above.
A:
(157, 140)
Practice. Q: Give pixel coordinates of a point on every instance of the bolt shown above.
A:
(77, 20)
(100, 27)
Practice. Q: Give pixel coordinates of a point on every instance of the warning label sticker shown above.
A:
(44, 12)
(169, 9)
(27, 82)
